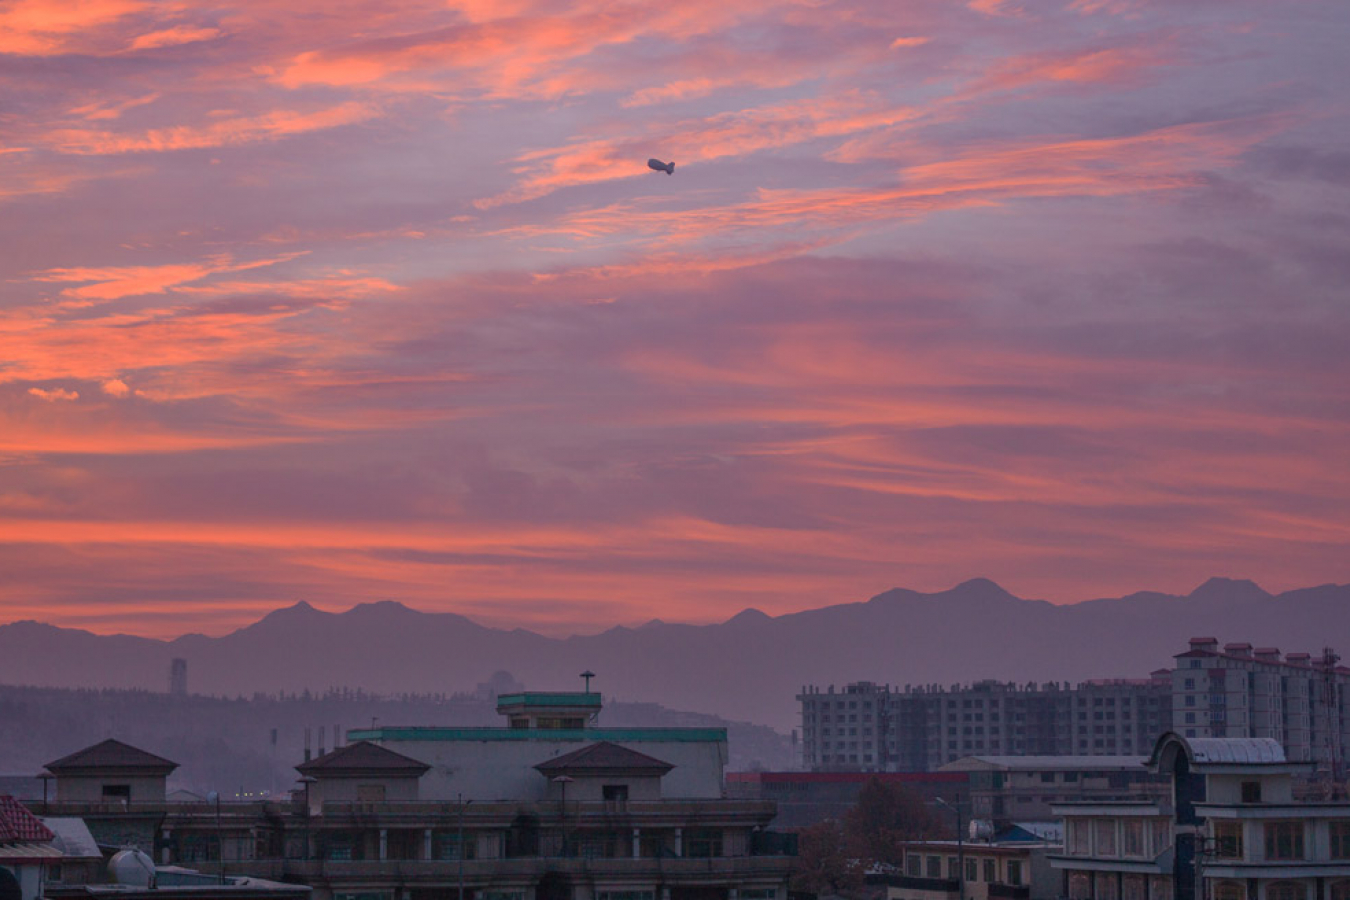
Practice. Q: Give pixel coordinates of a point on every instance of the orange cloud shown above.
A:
(1159, 160)
(737, 133)
(128, 281)
(54, 394)
(48, 27)
(172, 37)
(224, 133)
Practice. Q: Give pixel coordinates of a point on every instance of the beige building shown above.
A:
(975, 870)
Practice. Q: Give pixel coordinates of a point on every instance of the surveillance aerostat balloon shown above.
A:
(658, 166)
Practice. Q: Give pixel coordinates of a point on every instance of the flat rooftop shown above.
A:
(588, 735)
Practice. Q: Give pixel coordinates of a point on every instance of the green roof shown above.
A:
(549, 698)
(618, 735)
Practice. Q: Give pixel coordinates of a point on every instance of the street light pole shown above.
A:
(960, 848)
(463, 804)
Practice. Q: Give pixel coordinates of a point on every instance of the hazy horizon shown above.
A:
(361, 301)
(600, 628)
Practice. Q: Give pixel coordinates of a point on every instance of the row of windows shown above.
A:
(919, 866)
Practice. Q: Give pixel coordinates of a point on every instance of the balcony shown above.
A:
(525, 869)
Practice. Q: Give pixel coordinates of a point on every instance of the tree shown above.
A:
(825, 864)
(887, 815)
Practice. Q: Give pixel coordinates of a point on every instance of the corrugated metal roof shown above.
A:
(28, 852)
(1236, 750)
(1049, 762)
(73, 837)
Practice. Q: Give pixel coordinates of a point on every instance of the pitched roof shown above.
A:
(604, 756)
(18, 825)
(111, 754)
(363, 756)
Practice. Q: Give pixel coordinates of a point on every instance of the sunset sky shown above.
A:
(355, 300)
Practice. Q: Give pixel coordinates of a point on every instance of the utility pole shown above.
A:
(960, 848)
(463, 804)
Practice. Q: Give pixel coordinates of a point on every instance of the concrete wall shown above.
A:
(504, 769)
(593, 788)
(89, 788)
(346, 789)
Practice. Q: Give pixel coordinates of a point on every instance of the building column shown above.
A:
(637, 843)
(164, 855)
(426, 843)
(384, 844)
(679, 842)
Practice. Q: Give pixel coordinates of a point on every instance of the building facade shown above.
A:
(1230, 828)
(873, 728)
(975, 870)
(1239, 691)
(1025, 788)
(550, 808)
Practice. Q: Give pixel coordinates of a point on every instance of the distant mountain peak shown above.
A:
(387, 607)
(1229, 589)
(981, 587)
(748, 616)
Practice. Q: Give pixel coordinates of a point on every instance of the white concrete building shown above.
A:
(1229, 830)
(1238, 691)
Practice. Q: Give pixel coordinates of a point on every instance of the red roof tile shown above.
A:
(18, 825)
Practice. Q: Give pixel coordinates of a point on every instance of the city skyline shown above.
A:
(349, 302)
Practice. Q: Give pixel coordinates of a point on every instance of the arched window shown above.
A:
(1340, 890)
(1286, 890)
(1229, 890)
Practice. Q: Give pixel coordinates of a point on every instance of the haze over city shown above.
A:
(348, 302)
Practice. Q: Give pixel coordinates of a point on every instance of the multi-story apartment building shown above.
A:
(1299, 700)
(874, 728)
(1229, 828)
(1024, 788)
(553, 807)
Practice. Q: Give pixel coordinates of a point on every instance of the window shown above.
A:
(1251, 792)
(117, 793)
(370, 793)
(1080, 843)
(649, 895)
(1285, 890)
(1284, 840)
(990, 871)
(1133, 833)
(617, 792)
(972, 873)
(952, 870)
(1133, 887)
(1228, 890)
(1047, 777)
(1159, 836)
(1080, 885)
(934, 867)
(1340, 839)
(746, 894)
(1228, 840)
(1014, 872)
(1106, 889)
(1105, 836)
(914, 866)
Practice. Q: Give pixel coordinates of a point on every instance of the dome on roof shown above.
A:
(131, 867)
